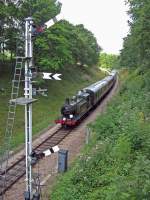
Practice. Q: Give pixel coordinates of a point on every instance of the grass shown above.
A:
(116, 164)
(46, 109)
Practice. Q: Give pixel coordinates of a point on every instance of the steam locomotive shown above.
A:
(78, 106)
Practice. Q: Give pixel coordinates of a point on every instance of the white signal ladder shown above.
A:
(11, 116)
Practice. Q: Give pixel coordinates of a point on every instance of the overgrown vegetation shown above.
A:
(116, 165)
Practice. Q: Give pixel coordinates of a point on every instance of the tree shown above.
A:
(62, 45)
(65, 45)
(13, 14)
(88, 46)
(40, 10)
(137, 43)
(53, 49)
(8, 27)
(108, 60)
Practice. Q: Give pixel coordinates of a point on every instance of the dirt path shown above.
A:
(47, 167)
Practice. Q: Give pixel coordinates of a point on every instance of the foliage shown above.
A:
(64, 45)
(40, 10)
(61, 45)
(108, 60)
(8, 29)
(13, 14)
(116, 165)
(88, 46)
(136, 50)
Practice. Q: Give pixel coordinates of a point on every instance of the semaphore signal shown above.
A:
(31, 31)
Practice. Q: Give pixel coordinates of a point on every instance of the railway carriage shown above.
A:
(77, 107)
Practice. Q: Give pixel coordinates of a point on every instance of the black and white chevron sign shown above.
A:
(51, 76)
(48, 152)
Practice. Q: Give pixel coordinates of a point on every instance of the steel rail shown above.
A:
(15, 171)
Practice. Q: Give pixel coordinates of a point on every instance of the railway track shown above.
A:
(15, 171)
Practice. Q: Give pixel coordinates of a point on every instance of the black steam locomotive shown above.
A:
(78, 106)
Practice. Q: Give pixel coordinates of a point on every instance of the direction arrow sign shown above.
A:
(56, 77)
(51, 76)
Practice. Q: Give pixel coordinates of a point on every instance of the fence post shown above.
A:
(88, 135)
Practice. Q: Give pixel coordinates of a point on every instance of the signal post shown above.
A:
(28, 107)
